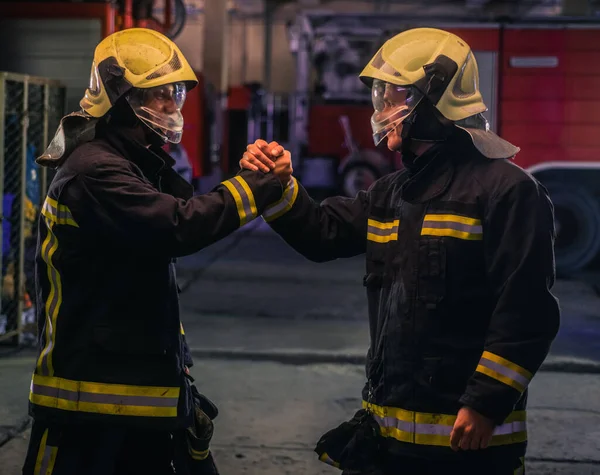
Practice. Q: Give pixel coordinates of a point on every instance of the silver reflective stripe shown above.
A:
(467, 228)
(245, 199)
(52, 306)
(433, 429)
(286, 200)
(510, 428)
(393, 422)
(440, 429)
(62, 215)
(509, 373)
(46, 460)
(100, 398)
(412, 427)
(49, 208)
(383, 232)
(54, 392)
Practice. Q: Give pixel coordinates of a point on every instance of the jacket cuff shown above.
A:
(252, 193)
(285, 204)
(485, 410)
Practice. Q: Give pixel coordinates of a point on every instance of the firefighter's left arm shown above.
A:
(519, 253)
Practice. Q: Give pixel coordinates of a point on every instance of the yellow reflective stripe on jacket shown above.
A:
(57, 213)
(328, 460)
(54, 213)
(504, 371)
(104, 398)
(182, 331)
(46, 457)
(434, 429)
(243, 197)
(452, 225)
(198, 454)
(382, 231)
(285, 204)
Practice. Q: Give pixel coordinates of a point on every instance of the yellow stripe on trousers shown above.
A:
(46, 458)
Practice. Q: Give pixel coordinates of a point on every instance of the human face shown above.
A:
(160, 109)
(392, 104)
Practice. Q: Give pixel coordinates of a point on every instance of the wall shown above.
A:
(57, 49)
(246, 49)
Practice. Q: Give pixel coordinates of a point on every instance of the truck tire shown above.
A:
(577, 218)
(358, 176)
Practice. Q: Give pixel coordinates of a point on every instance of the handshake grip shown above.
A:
(268, 157)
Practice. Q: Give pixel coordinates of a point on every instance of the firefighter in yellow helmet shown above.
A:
(111, 391)
(459, 271)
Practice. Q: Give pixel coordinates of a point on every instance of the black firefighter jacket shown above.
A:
(112, 345)
(459, 271)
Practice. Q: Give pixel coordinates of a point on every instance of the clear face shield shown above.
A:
(160, 109)
(392, 104)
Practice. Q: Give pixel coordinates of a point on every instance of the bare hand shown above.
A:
(261, 156)
(471, 431)
(283, 168)
(265, 157)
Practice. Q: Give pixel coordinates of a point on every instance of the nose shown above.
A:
(169, 106)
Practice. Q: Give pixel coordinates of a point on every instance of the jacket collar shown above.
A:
(430, 175)
(153, 161)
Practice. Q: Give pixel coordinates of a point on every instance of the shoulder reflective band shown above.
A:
(382, 231)
(504, 371)
(284, 204)
(103, 398)
(328, 460)
(434, 429)
(244, 199)
(58, 214)
(452, 225)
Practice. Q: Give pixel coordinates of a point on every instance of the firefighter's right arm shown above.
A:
(337, 227)
(115, 205)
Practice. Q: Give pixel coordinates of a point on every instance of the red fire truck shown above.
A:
(541, 82)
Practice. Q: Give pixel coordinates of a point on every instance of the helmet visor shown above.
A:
(392, 104)
(160, 109)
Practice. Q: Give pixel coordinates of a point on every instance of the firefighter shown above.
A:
(111, 391)
(459, 271)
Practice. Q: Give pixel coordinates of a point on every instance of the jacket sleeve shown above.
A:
(519, 252)
(114, 203)
(335, 228)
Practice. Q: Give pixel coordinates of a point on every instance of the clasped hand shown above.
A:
(268, 157)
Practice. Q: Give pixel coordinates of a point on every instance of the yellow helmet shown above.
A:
(442, 68)
(133, 58)
(439, 64)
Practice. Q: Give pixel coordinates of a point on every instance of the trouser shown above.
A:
(99, 450)
(475, 466)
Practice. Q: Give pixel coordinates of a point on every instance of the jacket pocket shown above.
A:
(432, 271)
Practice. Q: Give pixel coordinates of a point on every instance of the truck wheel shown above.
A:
(577, 218)
(358, 176)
